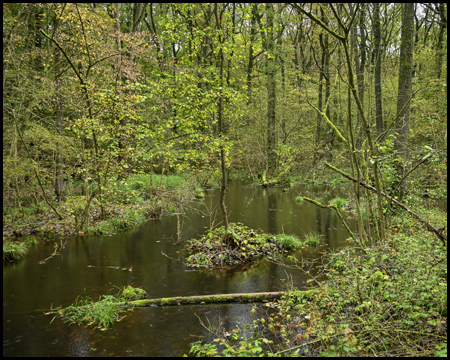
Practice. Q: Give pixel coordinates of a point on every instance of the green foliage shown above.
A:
(126, 220)
(103, 228)
(376, 307)
(130, 293)
(441, 350)
(199, 193)
(337, 261)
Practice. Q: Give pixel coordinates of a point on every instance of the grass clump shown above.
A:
(288, 242)
(299, 200)
(127, 220)
(103, 313)
(13, 250)
(312, 239)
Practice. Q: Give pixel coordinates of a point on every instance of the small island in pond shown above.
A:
(228, 247)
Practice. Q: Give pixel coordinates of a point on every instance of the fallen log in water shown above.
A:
(204, 299)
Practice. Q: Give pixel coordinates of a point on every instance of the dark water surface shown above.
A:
(29, 287)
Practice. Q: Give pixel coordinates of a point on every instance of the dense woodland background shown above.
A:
(95, 92)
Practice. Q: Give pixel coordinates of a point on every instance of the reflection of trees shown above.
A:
(272, 212)
(319, 219)
(327, 226)
(79, 344)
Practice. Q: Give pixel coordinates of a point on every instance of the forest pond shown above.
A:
(91, 266)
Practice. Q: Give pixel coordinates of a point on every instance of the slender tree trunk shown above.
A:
(319, 105)
(326, 74)
(59, 178)
(360, 63)
(221, 124)
(271, 92)
(16, 177)
(253, 32)
(377, 49)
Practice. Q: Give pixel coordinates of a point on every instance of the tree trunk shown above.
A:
(404, 89)
(221, 125)
(440, 43)
(320, 104)
(326, 73)
(210, 299)
(377, 49)
(271, 134)
(59, 176)
(362, 65)
(253, 32)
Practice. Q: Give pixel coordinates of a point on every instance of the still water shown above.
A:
(29, 287)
